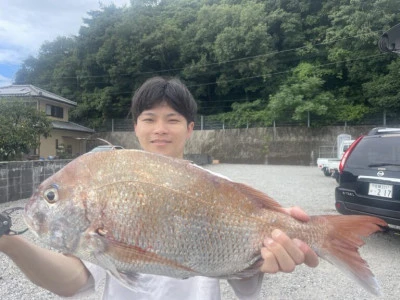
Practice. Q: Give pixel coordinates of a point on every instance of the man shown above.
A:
(163, 111)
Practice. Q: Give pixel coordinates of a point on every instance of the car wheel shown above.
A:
(326, 171)
(336, 176)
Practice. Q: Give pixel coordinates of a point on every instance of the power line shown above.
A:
(283, 72)
(219, 63)
(274, 73)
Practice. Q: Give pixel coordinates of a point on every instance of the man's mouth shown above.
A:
(160, 142)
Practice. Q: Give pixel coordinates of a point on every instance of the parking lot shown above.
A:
(304, 186)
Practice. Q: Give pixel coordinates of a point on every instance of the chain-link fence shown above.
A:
(211, 123)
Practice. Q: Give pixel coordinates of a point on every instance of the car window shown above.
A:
(376, 151)
(105, 148)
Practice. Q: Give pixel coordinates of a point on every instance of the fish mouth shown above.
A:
(58, 226)
(56, 232)
(33, 217)
(36, 222)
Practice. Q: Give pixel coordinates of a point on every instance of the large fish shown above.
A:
(134, 212)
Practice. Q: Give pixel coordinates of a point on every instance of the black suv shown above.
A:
(369, 176)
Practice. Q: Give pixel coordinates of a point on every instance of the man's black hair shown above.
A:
(159, 89)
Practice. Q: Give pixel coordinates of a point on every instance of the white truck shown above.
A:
(329, 156)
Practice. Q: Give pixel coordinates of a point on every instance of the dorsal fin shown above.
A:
(259, 199)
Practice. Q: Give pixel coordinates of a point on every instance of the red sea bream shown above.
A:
(135, 212)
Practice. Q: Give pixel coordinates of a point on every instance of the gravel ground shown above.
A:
(290, 185)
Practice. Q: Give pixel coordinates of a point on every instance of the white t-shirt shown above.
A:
(166, 288)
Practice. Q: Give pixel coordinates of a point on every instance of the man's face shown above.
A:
(162, 130)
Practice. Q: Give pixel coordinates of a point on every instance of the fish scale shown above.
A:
(156, 230)
(134, 212)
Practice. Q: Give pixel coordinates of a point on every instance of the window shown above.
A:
(54, 111)
(376, 150)
(68, 150)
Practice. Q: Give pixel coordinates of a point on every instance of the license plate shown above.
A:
(381, 190)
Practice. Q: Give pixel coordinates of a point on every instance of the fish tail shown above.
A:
(341, 244)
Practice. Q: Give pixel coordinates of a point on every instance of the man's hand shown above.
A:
(282, 254)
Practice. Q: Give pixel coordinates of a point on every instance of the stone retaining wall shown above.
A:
(280, 145)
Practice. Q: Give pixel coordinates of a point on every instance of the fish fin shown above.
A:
(248, 272)
(340, 247)
(130, 279)
(131, 254)
(260, 199)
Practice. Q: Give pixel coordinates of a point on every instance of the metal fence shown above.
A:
(327, 151)
(201, 123)
(210, 123)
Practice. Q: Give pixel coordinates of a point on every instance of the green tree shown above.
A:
(383, 91)
(302, 95)
(226, 51)
(20, 128)
(246, 114)
(352, 38)
(53, 68)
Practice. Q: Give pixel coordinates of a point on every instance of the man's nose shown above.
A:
(160, 127)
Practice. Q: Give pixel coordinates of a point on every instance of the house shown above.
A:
(67, 139)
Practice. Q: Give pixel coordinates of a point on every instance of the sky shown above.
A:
(26, 24)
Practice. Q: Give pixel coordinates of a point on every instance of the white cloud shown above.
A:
(4, 81)
(26, 24)
(12, 56)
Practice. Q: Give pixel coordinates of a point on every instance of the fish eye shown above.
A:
(51, 195)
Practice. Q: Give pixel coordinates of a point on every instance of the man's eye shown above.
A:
(173, 121)
(147, 120)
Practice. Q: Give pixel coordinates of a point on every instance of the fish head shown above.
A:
(56, 212)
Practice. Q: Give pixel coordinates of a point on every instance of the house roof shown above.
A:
(70, 126)
(28, 90)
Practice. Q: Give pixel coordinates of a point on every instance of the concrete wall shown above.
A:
(19, 179)
(280, 145)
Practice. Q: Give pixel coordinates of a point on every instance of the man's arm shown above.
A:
(58, 273)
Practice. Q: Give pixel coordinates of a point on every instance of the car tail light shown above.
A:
(347, 153)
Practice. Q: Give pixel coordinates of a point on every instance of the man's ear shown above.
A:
(190, 129)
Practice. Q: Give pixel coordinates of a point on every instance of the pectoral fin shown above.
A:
(133, 254)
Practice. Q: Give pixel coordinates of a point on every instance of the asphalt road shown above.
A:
(303, 186)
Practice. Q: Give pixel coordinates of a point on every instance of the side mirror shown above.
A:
(390, 40)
